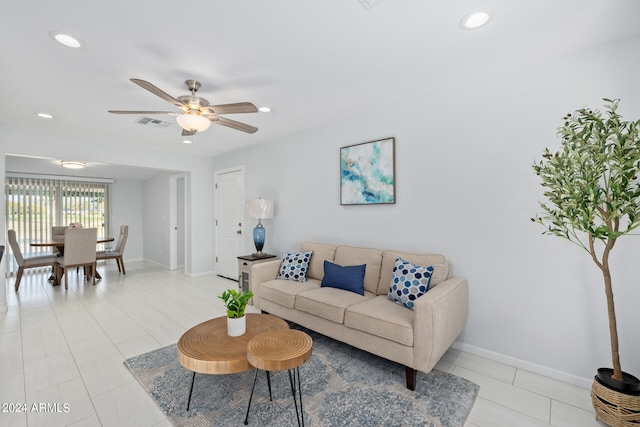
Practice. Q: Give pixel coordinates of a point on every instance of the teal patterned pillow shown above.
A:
(295, 266)
(408, 282)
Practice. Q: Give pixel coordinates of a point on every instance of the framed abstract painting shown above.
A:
(367, 173)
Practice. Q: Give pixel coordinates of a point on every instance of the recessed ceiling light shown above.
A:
(67, 39)
(45, 115)
(186, 141)
(264, 109)
(475, 20)
(71, 164)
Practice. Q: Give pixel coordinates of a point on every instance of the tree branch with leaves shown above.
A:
(592, 191)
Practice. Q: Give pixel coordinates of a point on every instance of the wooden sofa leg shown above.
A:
(411, 375)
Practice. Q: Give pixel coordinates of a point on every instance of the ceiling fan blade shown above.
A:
(188, 132)
(240, 107)
(233, 124)
(171, 113)
(158, 92)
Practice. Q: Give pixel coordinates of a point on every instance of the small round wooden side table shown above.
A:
(280, 350)
(207, 349)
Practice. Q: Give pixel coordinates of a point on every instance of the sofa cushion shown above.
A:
(284, 292)
(328, 303)
(408, 282)
(350, 255)
(321, 252)
(441, 267)
(294, 266)
(381, 317)
(349, 278)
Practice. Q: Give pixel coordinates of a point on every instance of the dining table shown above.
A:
(59, 243)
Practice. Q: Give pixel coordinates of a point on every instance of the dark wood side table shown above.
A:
(245, 263)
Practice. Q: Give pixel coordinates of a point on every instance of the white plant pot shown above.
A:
(236, 327)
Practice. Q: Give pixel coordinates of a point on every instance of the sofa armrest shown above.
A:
(262, 272)
(440, 316)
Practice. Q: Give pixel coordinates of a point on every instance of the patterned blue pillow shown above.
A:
(408, 282)
(295, 266)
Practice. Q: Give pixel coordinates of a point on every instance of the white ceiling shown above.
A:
(312, 62)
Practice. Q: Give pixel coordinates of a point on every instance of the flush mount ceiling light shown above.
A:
(187, 141)
(71, 164)
(45, 115)
(475, 20)
(67, 39)
(264, 109)
(193, 122)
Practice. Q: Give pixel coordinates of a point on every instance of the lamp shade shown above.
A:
(193, 122)
(258, 209)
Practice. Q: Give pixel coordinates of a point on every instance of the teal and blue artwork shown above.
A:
(367, 173)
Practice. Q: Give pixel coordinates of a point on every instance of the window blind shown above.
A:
(33, 205)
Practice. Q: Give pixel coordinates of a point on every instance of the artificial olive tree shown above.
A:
(592, 190)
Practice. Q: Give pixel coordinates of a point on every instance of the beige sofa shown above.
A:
(414, 338)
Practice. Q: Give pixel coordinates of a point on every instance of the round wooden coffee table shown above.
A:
(207, 349)
(279, 350)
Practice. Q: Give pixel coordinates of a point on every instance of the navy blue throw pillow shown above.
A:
(349, 278)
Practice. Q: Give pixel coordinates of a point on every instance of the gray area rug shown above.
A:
(341, 386)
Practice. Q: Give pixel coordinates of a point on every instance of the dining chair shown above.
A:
(57, 233)
(118, 252)
(29, 262)
(79, 251)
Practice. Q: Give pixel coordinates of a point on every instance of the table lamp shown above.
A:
(258, 209)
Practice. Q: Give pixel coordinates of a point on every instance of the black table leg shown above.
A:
(292, 381)
(246, 417)
(300, 393)
(193, 379)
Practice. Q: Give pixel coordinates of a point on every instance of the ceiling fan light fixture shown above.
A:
(69, 164)
(193, 122)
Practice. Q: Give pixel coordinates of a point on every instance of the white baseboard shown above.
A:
(555, 374)
(203, 273)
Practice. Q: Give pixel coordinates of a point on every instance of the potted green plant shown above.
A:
(593, 198)
(236, 302)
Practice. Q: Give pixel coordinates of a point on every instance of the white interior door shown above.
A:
(229, 197)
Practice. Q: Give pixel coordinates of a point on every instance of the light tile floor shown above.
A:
(63, 352)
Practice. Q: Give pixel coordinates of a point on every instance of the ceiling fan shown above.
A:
(195, 112)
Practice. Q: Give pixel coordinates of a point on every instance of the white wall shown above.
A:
(465, 188)
(126, 209)
(156, 214)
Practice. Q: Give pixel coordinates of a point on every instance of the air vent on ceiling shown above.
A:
(149, 121)
(368, 4)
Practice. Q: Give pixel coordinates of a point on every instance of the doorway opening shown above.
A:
(177, 222)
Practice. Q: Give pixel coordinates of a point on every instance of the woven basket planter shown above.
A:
(614, 408)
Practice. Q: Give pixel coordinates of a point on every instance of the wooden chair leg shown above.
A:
(19, 277)
(93, 272)
(122, 264)
(118, 263)
(66, 278)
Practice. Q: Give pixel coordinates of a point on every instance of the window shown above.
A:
(34, 205)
